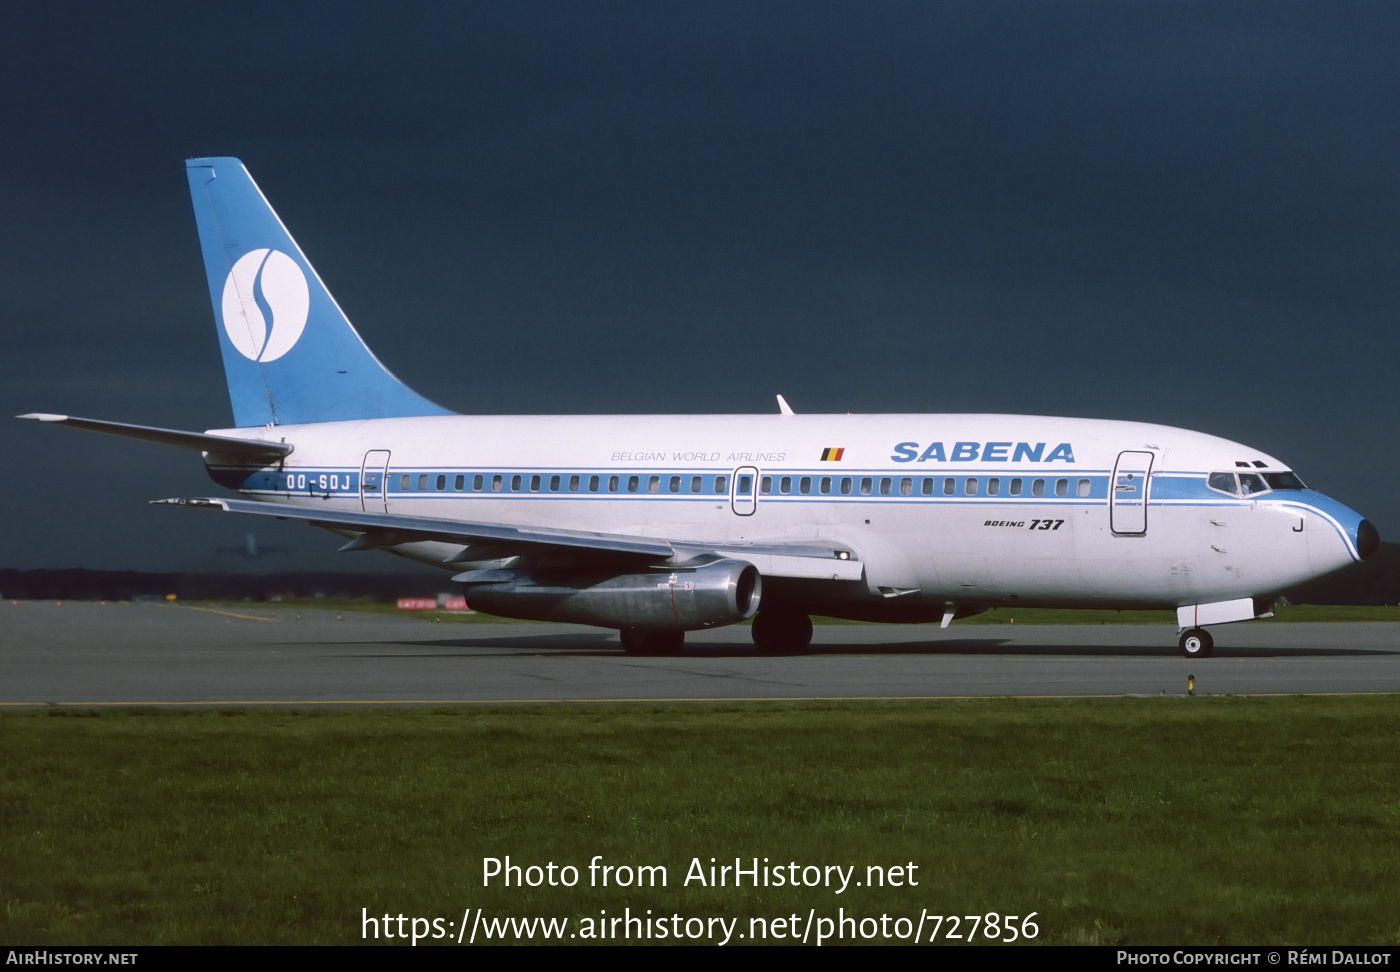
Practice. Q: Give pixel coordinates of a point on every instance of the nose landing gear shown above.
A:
(1196, 643)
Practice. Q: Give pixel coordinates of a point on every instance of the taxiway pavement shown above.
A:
(124, 653)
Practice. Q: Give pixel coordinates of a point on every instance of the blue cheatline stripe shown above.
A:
(1166, 490)
(320, 480)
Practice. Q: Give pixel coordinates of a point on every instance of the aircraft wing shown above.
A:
(814, 560)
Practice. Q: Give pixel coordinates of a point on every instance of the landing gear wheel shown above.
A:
(1196, 643)
(638, 642)
(779, 633)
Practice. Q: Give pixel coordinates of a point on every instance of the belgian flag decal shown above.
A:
(832, 455)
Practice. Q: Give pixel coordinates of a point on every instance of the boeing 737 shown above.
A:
(664, 524)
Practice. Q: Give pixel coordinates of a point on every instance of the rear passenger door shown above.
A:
(374, 485)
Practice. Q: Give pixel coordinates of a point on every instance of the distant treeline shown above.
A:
(123, 585)
(1376, 581)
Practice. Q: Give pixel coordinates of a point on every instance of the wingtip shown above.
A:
(43, 417)
(197, 502)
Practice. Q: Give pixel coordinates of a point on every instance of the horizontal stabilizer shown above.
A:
(198, 441)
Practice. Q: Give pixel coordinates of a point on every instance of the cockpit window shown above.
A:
(1251, 483)
(1225, 482)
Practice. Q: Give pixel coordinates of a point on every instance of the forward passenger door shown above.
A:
(743, 491)
(1127, 496)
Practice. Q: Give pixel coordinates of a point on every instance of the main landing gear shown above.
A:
(638, 642)
(1196, 643)
(780, 633)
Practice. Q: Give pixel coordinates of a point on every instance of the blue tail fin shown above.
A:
(290, 354)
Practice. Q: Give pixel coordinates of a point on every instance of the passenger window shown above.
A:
(403, 483)
(1015, 487)
(573, 484)
(534, 484)
(885, 486)
(950, 486)
(785, 484)
(695, 482)
(477, 483)
(593, 484)
(927, 488)
(459, 483)
(515, 484)
(441, 483)
(422, 483)
(865, 486)
(722, 484)
(825, 485)
(745, 485)
(634, 483)
(1223, 481)
(767, 485)
(675, 484)
(846, 485)
(993, 487)
(612, 484)
(1062, 487)
(1083, 488)
(906, 487)
(804, 485)
(653, 484)
(554, 484)
(496, 482)
(1038, 487)
(970, 487)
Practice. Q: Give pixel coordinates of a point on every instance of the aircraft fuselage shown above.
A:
(968, 509)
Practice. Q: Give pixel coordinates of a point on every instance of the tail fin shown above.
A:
(290, 354)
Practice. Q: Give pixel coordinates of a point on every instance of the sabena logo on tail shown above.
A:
(265, 279)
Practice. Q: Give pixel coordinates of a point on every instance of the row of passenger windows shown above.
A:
(824, 485)
(927, 486)
(501, 483)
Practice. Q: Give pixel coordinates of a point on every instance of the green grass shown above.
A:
(1202, 820)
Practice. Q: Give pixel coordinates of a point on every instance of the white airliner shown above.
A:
(658, 525)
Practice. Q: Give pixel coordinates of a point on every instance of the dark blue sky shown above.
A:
(1173, 212)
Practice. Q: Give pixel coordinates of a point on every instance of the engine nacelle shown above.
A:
(681, 599)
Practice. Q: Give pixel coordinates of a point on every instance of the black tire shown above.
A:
(638, 642)
(782, 633)
(1196, 643)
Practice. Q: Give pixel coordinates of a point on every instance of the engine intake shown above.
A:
(681, 599)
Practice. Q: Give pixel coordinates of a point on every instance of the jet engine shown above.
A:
(676, 599)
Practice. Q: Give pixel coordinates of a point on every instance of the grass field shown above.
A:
(1206, 820)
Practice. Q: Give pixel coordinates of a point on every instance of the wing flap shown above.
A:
(411, 528)
(808, 559)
